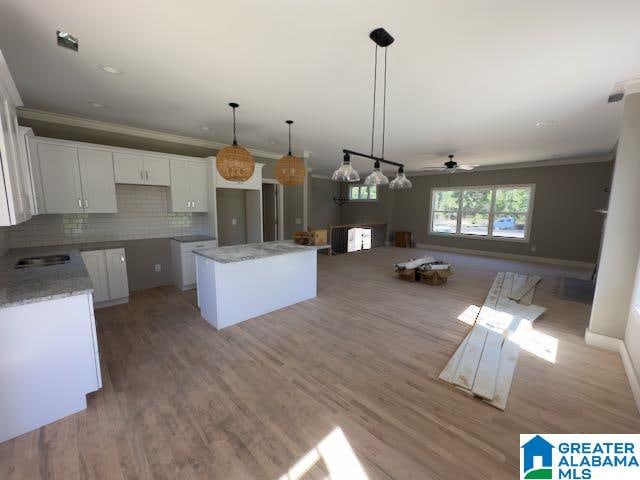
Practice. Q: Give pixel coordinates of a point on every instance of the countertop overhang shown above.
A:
(254, 251)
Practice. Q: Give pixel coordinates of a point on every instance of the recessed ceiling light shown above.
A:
(546, 123)
(273, 142)
(205, 128)
(97, 105)
(110, 69)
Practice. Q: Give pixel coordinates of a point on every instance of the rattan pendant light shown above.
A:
(290, 169)
(235, 163)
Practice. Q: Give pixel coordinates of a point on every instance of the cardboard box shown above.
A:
(318, 237)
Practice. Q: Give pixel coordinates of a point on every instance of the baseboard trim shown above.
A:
(111, 303)
(509, 256)
(602, 341)
(616, 345)
(632, 376)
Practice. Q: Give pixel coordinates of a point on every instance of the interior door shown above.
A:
(198, 186)
(180, 200)
(269, 212)
(129, 168)
(97, 268)
(156, 171)
(98, 184)
(60, 178)
(117, 273)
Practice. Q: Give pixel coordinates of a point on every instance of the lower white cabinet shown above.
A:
(108, 272)
(184, 261)
(49, 362)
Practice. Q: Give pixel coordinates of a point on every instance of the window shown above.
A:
(364, 193)
(496, 212)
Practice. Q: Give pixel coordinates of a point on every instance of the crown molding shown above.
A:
(510, 166)
(72, 121)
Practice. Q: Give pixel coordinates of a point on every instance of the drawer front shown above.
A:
(190, 247)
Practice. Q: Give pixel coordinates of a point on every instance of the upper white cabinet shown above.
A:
(15, 204)
(60, 172)
(140, 169)
(189, 186)
(76, 180)
(96, 179)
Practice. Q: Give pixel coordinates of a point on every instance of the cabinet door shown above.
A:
(117, 273)
(97, 268)
(98, 184)
(198, 187)
(60, 178)
(180, 198)
(129, 168)
(156, 171)
(188, 269)
(37, 207)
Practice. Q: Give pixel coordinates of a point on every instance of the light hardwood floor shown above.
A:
(181, 400)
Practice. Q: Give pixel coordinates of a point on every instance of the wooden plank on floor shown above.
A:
(503, 299)
(527, 299)
(452, 365)
(468, 366)
(531, 282)
(506, 368)
(494, 292)
(484, 384)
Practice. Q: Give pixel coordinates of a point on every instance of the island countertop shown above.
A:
(254, 251)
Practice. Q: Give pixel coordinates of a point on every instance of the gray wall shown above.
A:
(564, 222)
(323, 211)
(369, 212)
(142, 256)
(231, 205)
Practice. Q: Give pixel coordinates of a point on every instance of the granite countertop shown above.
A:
(254, 251)
(192, 238)
(37, 284)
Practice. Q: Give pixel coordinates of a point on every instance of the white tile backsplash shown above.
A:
(142, 213)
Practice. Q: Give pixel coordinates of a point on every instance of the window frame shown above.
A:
(489, 236)
(364, 200)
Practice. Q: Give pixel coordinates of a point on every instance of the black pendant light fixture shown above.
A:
(346, 173)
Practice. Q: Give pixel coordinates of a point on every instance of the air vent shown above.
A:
(616, 97)
(66, 40)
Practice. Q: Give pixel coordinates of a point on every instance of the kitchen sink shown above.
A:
(43, 261)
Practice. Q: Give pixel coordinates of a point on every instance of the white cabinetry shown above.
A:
(140, 169)
(15, 205)
(184, 262)
(108, 272)
(189, 186)
(49, 361)
(76, 180)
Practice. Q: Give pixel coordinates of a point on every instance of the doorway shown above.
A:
(272, 210)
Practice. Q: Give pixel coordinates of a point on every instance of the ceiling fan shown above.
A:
(450, 166)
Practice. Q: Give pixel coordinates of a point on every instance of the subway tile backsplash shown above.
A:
(142, 213)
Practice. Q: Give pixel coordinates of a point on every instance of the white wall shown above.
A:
(621, 242)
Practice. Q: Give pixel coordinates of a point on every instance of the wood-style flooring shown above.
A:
(341, 386)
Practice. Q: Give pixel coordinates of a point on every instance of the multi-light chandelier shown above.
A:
(346, 172)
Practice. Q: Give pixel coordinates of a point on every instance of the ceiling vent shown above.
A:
(66, 40)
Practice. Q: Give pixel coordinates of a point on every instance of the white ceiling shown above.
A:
(466, 77)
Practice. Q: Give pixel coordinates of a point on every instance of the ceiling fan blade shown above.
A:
(466, 167)
(433, 169)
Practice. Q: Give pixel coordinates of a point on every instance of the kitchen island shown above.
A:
(240, 282)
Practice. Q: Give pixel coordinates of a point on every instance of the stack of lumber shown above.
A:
(486, 359)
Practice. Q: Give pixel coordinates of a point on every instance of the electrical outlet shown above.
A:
(533, 248)
(158, 267)
(298, 221)
(234, 221)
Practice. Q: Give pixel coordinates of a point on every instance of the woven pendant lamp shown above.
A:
(290, 169)
(234, 162)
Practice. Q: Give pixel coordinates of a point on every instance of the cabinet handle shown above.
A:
(193, 204)
(122, 258)
(86, 203)
(141, 175)
(188, 203)
(79, 203)
(147, 174)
